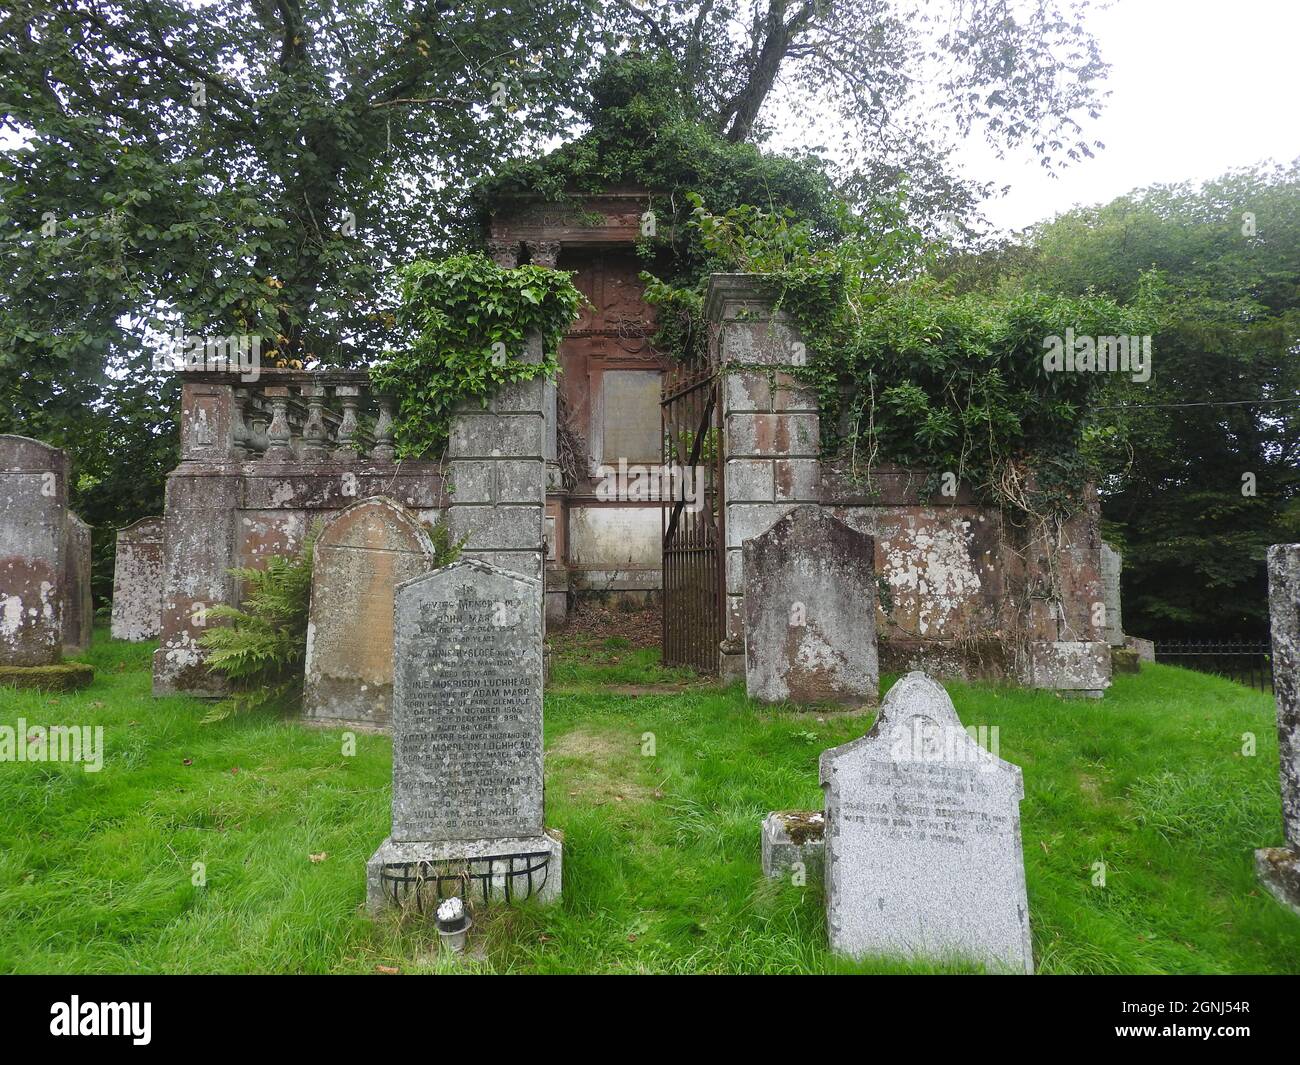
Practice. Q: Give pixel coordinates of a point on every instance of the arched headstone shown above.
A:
(33, 518)
(360, 557)
(138, 581)
(923, 853)
(810, 611)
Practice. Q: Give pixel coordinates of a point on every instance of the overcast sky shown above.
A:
(1198, 87)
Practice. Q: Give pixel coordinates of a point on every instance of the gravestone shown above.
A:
(1112, 565)
(33, 523)
(810, 611)
(361, 556)
(923, 855)
(78, 604)
(467, 741)
(138, 581)
(1279, 867)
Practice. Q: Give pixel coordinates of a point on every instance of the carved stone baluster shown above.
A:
(257, 441)
(239, 433)
(349, 395)
(383, 451)
(314, 448)
(279, 435)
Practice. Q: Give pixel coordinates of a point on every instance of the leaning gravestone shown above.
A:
(1279, 867)
(78, 605)
(923, 855)
(810, 611)
(467, 742)
(361, 556)
(1112, 565)
(138, 581)
(33, 519)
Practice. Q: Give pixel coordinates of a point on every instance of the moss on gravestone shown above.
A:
(62, 677)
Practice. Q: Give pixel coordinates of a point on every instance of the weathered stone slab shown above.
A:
(810, 611)
(467, 713)
(78, 604)
(358, 561)
(138, 581)
(467, 741)
(1073, 667)
(33, 517)
(1279, 867)
(1124, 660)
(1145, 649)
(923, 852)
(793, 843)
(1112, 565)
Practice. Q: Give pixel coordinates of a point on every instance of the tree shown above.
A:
(233, 169)
(1205, 457)
(1014, 71)
(249, 171)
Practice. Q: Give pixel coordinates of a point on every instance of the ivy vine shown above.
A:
(469, 320)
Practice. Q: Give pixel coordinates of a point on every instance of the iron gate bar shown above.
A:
(693, 561)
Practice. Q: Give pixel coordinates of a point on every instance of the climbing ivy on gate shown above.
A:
(468, 320)
(906, 371)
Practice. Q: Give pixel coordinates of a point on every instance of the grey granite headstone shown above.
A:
(467, 737)
(359, 559)
(1112, 565)
(1279, 867)
(33, 524)
(810, 611)
(138, 581)
(78, 604)
(923, 854)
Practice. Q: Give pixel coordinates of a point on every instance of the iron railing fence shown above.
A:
(1248, 662)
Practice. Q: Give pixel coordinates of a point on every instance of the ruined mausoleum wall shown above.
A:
(261, 463)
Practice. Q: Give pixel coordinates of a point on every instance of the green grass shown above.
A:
(661, 853)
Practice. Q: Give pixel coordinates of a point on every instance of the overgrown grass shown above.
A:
(661, 852)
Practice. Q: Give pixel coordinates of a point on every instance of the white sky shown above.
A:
(1198, 87)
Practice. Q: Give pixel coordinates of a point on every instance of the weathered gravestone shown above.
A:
(1112, 565)
(138, 581)
(361, 556)
(33, 522)
(923, 856)
(810, 611)
(78, 604)
(1279, 867)
(467, 742)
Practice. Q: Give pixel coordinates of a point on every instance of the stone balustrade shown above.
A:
(286, 416)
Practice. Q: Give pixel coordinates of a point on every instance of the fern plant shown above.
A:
(262, 648)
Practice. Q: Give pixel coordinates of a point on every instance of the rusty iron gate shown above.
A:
(694, 542)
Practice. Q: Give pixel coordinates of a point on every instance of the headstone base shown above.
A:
(1124, 660)
(1146, 649)
(507, 870)
(794, 836)
(1278, 869)
(1071, 666)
